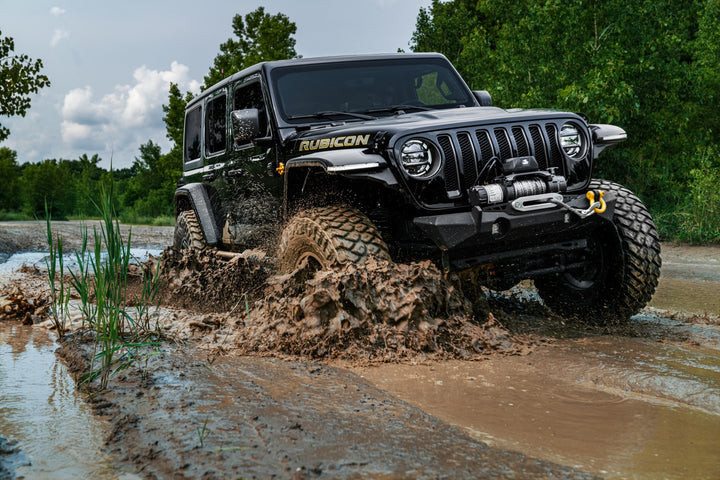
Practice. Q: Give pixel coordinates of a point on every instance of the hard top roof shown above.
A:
(306, 61)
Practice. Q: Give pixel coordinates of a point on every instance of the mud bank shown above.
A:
(182, 416)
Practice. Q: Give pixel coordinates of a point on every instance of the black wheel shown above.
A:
(623, 271)
(326, 236)
(188, 233)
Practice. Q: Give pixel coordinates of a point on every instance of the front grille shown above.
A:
(467, 152)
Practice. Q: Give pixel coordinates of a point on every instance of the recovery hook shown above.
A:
(598, 206)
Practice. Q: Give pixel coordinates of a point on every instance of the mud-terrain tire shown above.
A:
(625, 271)
(188, 233)
(326, 236)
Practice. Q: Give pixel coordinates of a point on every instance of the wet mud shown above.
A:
(401, 371)
(180, 415)
(375, 312)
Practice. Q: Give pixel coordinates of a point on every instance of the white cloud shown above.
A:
(125, 118)
(57, 11)
(58, 36)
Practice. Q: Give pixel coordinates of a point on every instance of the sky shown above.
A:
(111, 63)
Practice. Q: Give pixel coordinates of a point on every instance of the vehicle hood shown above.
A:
(362, 133)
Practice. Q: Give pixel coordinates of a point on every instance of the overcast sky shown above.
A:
(110, 63)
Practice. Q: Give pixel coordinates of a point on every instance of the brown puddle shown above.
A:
(617, 407)
(53, 430)
(686, 295)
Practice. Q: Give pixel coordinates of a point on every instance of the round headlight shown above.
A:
(417, 159)
(572, 140)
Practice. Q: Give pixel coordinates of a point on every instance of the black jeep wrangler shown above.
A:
(335, 159)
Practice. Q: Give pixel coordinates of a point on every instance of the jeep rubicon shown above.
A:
(338, 158)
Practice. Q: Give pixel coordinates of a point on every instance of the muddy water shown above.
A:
(690, 280)
(686, 295)
(55, 430)
(643, 405)
(620, 407)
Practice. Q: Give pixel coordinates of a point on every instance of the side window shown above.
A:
(250, 96)
(215, 125)
(192, 134)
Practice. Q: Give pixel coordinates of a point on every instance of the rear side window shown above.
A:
(215, 128)
(192, 134)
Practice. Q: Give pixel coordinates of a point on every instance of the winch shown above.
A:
(521, 179)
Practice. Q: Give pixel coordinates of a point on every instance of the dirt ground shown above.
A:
(389, 371)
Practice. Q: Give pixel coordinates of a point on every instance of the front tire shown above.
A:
(188, 233)
(624, 270)
(326, 236)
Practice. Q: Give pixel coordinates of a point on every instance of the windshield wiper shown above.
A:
(332, 113)
(398, 109)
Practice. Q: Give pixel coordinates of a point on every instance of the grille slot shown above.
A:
(450, 169)
(486, 149)
(523, 149)
(503, 143)
(539, 146)
(554, 147)
(469, 163)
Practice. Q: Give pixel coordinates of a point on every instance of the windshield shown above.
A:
(376, 87)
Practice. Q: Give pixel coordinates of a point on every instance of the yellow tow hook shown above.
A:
(591, 197)
(280, 169)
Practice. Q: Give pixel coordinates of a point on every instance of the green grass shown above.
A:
(6, 216)
(161, 221)
(100, 282)
(695, 218)
(59, 292)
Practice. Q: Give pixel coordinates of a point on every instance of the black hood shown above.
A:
(403, 124)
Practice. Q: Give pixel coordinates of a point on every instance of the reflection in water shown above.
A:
(40, 411)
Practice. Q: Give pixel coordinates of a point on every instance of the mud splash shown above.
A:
(375, 312)
(204, 282)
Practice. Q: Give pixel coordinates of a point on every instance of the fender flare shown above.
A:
(197, 196)
(351, 163)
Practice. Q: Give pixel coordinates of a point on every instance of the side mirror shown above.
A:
(246, 125)
(605, 136)
(483, 96)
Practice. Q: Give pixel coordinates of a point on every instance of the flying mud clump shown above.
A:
(378, 311)
(204, 282)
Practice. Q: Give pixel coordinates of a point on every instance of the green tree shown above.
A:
(150, 191)
(88, 183)
(20, 77)
(175, 114)
(48, 181)
(10, 173)
(649, 66)
(260, 37)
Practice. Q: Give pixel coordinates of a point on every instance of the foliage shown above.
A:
(20, 77)
(260, 37)
(10, 173)
(51, 182)
(698, 217)
(175, 114)
(152, 187)
(649, 66)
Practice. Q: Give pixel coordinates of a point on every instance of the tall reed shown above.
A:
(101, 284)
(55, 264)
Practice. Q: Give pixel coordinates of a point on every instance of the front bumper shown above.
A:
(501, 234)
